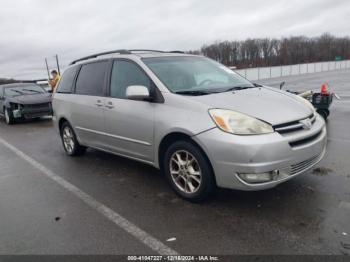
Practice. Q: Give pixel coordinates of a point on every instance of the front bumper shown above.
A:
(33, 111)
(231, 155)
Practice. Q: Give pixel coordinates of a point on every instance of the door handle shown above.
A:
(110, 105)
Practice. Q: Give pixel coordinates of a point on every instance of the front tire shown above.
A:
(188, 171)
(9, 119)
(70, 142)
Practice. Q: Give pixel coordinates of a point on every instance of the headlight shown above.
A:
(238, 123)
(307, 103)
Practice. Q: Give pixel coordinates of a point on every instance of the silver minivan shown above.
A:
(201, 123)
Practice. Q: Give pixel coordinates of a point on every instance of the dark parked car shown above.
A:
(24, 101)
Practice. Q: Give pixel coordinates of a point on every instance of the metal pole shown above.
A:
(58, 66)
(314, 67)
(47, 68)
(270, 71)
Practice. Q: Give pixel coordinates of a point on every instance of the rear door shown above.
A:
(88, 104)
(129, 123)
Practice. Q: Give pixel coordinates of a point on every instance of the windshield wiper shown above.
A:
(193, 92)
(17, 91)
(234, 88)
(32, 90)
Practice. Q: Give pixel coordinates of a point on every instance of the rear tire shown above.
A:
(9, 119)
(70, 142)
(188, 171)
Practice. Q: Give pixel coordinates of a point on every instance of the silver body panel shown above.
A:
(135, 129)
(130, 127)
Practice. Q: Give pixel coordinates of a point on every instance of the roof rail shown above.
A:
(122, 52)
(177, 52)
(145, 50)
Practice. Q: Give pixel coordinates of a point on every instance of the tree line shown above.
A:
(4, 81)
(256, 52)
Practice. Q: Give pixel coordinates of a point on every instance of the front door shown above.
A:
(129, 123)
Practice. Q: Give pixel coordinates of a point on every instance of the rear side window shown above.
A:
(91, 79)
(66, 83)
(124, 74)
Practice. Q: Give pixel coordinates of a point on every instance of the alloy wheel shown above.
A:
(68, 139)
(185, 171)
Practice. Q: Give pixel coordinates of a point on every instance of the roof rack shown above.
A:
(122, 52)
(177, 52)
(146, 50)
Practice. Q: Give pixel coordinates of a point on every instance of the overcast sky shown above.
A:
(31, 30)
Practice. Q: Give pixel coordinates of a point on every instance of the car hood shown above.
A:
(268, 104)
(30, 99)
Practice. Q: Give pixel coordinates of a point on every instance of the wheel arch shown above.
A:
(59, 126)
(61, 121)
(173, 137)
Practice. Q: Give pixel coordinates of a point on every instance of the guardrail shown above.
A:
(258, 73)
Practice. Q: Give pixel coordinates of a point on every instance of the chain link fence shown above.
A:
(291, 70)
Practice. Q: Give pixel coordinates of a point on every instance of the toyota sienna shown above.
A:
(201, 123)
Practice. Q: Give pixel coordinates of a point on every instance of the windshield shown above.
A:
(195, 74)
(24, 90)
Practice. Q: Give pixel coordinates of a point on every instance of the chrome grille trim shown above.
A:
(293, 126)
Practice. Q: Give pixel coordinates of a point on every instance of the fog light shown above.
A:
(260, 177)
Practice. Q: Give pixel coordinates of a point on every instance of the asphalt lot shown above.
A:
(307, 215)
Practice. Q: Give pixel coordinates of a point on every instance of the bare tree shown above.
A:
(269, 52)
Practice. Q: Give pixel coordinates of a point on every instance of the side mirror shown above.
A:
(282, 84)
(140, 93)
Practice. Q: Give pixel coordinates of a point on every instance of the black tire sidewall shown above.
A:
(208, 182)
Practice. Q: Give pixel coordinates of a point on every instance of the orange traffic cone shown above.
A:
(324, 89)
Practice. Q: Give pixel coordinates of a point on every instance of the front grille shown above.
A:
(293, 126)
(302, 166)
(36, 110)
(41, 106)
